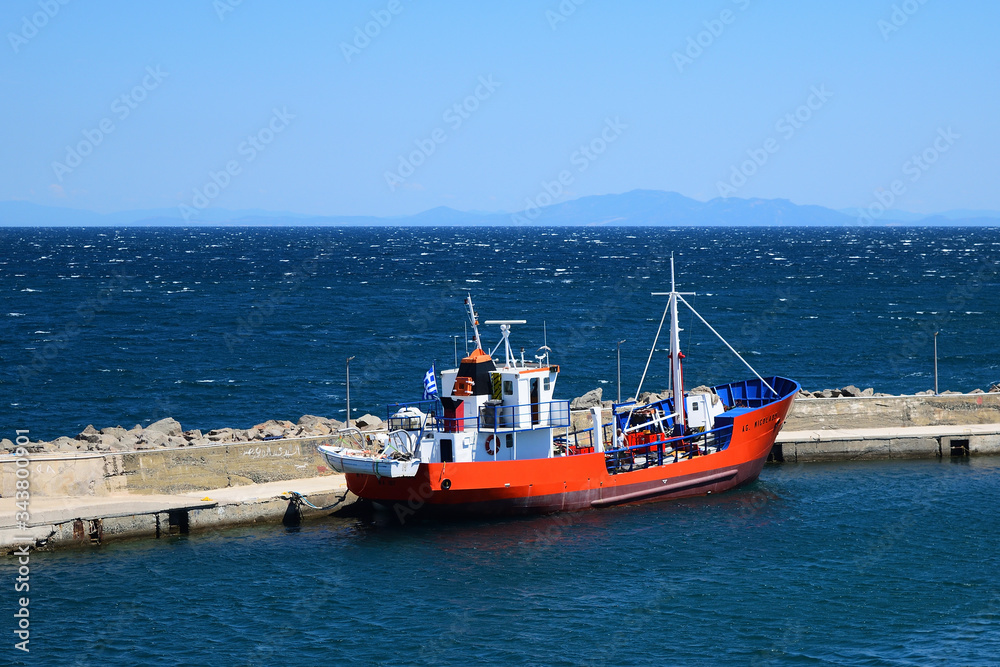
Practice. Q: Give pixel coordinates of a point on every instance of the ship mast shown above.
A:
(676, 371)
(475, 322)
(676, 368)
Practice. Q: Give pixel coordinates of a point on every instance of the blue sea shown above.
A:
(879, 563)
(232, 326)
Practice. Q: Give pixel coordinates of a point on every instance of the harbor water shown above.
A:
(875, 563)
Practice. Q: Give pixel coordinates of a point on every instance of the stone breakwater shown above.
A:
(850, 391)
(168, 433)
(594, 397)
(851, 408)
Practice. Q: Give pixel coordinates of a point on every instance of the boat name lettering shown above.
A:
(765, 420)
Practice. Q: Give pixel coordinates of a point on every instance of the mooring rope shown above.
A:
(299, 498)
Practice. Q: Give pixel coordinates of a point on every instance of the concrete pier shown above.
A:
(890, 427)
(90, 498)
(92, 520)
(167, 471)
(856, 444)
(893, 411)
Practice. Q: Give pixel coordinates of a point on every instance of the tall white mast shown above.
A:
(676, 376)
(676, 368)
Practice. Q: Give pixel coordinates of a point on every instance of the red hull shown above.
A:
(576, 482)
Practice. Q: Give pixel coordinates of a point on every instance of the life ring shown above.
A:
(492, 445)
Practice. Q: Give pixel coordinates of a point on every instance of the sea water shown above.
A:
(233, 326)
(857, 564)
(874, 563)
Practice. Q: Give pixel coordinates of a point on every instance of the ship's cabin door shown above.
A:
(534, 401)
(447, 452)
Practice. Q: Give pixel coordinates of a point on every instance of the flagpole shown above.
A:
(349, 391)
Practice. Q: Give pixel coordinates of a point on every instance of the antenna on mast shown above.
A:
(475, 321)
(505, 333)
(544, 349)
(673, 283)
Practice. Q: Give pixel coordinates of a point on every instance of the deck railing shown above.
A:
(667, 450)
(524, 417)
(510, 418)
(430, 407)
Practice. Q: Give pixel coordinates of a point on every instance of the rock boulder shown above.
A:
(89, 434)
(167, 426)
(151, 439)
(313, 425)
(116, 431)
(221, 435)
(368, 422)
(648, 397)
(591, 399)
(64, 444)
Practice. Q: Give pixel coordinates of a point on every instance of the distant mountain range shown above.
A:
(635, 208)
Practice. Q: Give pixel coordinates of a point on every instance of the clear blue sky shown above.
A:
(555, 85)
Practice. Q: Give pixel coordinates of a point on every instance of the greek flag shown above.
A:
(430, 385)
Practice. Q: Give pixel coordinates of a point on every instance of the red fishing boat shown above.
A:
(497, 441)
